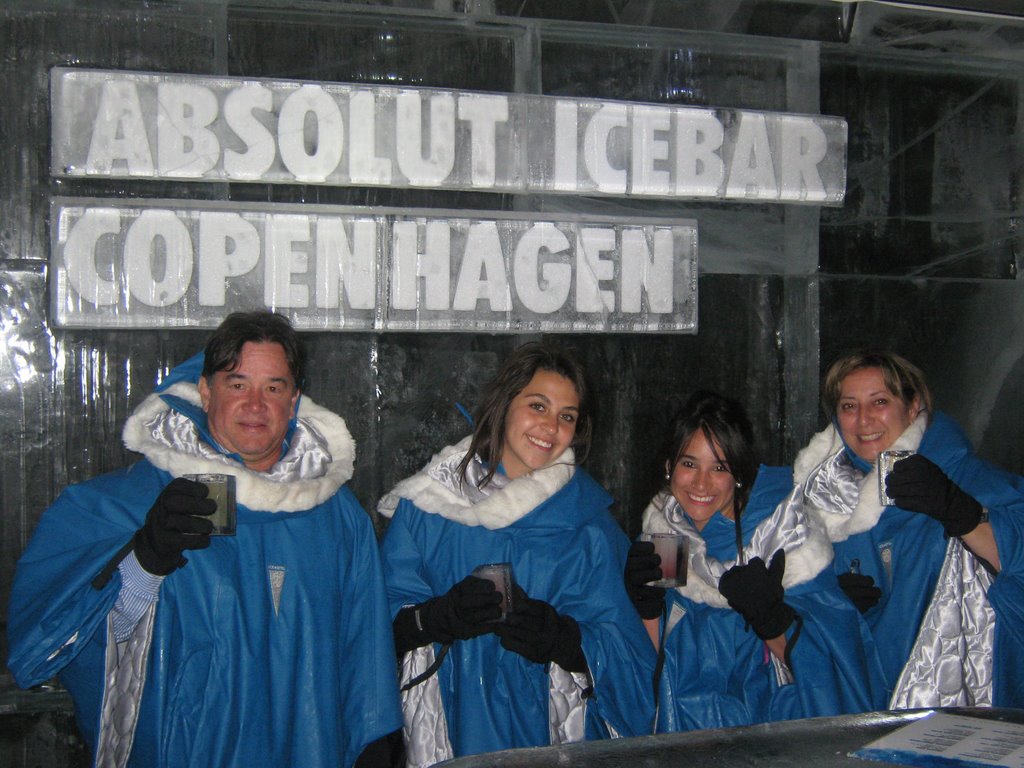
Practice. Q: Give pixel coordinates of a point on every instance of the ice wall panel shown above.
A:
(368, 45)
(29, 414)
(967, 337)
(935, 162)
(371, 47)
(46, 34)
(706, 71)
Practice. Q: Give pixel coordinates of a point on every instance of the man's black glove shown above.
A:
(467, 610)
(916, 484)
(861, 590)
(536, 631)
(756, 593)
(172, 526)
(642, 565)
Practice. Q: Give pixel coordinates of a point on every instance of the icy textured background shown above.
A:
(923, 256)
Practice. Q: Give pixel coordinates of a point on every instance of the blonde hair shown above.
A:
(901, 377)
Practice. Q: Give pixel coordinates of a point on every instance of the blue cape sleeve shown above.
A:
(1006, 595)
(835, 663)
(618, 649)
(367, 667)
(54, 610)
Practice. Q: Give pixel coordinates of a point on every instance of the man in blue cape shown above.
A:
(270, 646)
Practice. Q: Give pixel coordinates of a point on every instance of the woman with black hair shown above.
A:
(570, 660)
(760, 631)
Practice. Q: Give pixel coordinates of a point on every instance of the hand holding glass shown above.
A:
(886, 461)
(673, 549)
(499, 574)
(222, 490)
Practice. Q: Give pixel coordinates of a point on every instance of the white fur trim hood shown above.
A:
(435, 489)
(821, 461)
(808, 550)
(257, 491)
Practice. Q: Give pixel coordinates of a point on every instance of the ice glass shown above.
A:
(672, 548)
(222, 490)
(499, 574)
(886, 461)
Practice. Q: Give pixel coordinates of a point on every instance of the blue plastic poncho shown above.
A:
(272, 647)
(905, 551)
(553, 526)
(717, 672)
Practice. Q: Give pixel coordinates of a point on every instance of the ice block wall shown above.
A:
(921, 256)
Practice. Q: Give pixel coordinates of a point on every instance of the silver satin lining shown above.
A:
(446, 472)
(834, 486)
(786, 528)
(307, 458)
(950, 664)
(124, 677)
(425, 726)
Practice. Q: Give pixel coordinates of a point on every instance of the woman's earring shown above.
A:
(739, 484)
(668, 476)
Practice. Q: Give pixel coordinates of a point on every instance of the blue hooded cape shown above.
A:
(904, 551)
(568, 551)
(717, 673)
(271, 647)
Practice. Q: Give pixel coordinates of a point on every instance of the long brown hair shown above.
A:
(516, 372)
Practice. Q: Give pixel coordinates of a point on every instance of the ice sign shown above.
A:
(166, 263)
(118, 124)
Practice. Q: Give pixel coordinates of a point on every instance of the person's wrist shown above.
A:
(137, 580)
(151, 560)
(569, 651)
(775, 622)
(968, 516)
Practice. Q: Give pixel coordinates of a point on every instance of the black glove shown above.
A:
(642, 565)
(537, 632)
(916, 484)
(465, 611)
(861, 590)
(756, 593)
(172, 526)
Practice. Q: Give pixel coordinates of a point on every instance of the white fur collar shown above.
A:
(254, 490)
(808, 550)
(823, 462)
(435, 490)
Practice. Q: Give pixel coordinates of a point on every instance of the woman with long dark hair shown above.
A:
(760, 631)
(568, 659)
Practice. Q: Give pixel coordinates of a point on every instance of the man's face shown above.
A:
(249, 407)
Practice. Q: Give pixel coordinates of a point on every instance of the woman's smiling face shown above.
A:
(870, 416)
(702, 482)
(540, 423)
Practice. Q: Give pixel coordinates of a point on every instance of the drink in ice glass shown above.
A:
(886, 461)
(499, 574)
(222, 490)
(672, 548)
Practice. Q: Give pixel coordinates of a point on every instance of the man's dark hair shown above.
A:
(259, 326)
